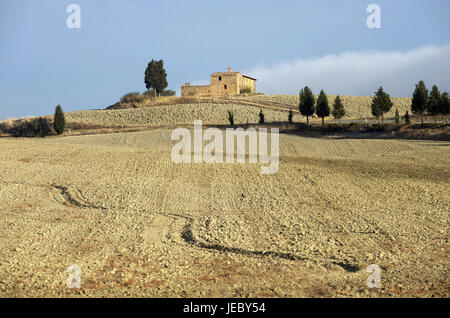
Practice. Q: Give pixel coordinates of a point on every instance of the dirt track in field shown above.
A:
(139, 225)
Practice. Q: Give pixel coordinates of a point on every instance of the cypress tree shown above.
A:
(434, 102)
(407, 118)
(397, 116)
(261, 116)
(231, 118)
(381, 104)
(290, 116)
(338, 109)
(155, 76)
(306, 103)
(322, 108)
(445, 106)
(376, 108)
(419, 100)
(59, 121)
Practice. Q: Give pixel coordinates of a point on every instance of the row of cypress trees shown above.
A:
(433, 103)
(307, 105)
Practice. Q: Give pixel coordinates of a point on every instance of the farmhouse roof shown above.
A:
(249, 77)
(231, 74)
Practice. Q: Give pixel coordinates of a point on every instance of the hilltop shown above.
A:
(140, 112)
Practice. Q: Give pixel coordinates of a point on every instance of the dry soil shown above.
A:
(138, 224)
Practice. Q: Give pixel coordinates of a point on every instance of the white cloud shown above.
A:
(358, 73)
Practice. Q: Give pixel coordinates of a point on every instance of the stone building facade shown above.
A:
(226, 83)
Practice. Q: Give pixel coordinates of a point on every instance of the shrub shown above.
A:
(354, 127)
(334, 128)
(168, 92)
(231, 118)
(397, 117)
(133, 97)
(149, 94)
(427, 126)
(59, 121)
(291, 114)
(407, 118)
(35, 128)
(43, 126)
(245, 90)
(261, 116)
(376, 127)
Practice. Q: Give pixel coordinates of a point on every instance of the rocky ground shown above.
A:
(178, 114)
(138, 224)
(244, 108)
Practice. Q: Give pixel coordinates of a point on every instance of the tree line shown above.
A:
(423, 102)
(308, 106)
(433, 103)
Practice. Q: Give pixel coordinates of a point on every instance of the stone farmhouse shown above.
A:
(227, 83)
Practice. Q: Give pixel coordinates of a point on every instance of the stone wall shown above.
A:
(246, 82)
(224, 84)
(195, 90)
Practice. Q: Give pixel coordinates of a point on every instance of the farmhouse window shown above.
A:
(220, 78)
(225, 86)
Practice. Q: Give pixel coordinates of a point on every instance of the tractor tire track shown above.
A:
(161, 226)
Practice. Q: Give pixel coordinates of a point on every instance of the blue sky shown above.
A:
(285, 44)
